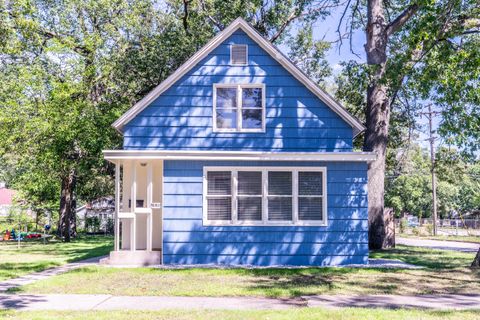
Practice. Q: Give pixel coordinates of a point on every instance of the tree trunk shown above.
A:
(476, 261)
(376, 136)
(73, 215)
(377, 121)
(66, 198)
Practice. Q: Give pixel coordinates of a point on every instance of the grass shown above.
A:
(444, 272)
(36, 256)
(305, 313)
(475, 239)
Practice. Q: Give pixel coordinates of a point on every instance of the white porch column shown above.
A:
(133, 205)
(149, 205)
(116, 232)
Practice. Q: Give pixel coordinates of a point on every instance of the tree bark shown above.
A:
(377, 121)
(476, 261)
(66, 199)
(376, 136)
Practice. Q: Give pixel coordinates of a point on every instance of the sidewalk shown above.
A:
(439, 244)
(108, 302)
(32, 277)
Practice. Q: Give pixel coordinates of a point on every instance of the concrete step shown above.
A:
(133, 258)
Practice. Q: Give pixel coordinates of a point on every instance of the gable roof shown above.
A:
(274, 52)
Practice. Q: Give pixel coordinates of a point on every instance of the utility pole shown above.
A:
(430, 115)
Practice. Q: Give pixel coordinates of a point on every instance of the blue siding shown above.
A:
(343, 241)
(181, 118)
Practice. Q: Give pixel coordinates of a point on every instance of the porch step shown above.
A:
(133, 258)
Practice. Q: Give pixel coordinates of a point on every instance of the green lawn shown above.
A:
(305, 313)
(475, 239)
(36, 256)
(444, 272)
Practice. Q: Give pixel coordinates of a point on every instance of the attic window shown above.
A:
(238, 54)
(239, 107)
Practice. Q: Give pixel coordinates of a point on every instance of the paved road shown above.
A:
(107, 302)
(439, 244)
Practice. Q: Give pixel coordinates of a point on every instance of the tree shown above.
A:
(70, 68)
(58, 95)
(416, 49)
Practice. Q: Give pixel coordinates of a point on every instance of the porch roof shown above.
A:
(114, 155)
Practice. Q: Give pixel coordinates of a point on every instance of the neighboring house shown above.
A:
(97, 215)
(239, 158)
(6, 199)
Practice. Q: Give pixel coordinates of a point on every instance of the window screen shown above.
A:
(249, 195)
(280, 195)
(310, 195)
(239, 54)
(219, 195)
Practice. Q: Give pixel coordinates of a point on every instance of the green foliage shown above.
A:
(403, 225)
(309, 55)
(408, 184)
(17, 218)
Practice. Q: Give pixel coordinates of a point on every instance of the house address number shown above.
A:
(156, 205)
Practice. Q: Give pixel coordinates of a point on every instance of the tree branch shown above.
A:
(47, 35)
(185, 15)
(282, 28)
(297, 13)
(340, 22)
(212, 19)
(400, 21)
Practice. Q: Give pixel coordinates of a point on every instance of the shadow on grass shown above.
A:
(429, 258)
(10, 269)
(83, 247)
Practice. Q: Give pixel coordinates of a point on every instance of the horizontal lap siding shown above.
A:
(182, 117)
(343, 241)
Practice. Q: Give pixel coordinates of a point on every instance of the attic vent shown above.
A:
(238, 54)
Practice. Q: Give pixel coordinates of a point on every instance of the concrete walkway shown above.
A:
(108, 302)
(32, 277)
(439, 244)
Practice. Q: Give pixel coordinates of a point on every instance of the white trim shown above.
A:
(112, 155)
(239, 23)
(239, 107)
(264, 222)
(295, 197)
(133, 206)
(116, 234)
(246, 55)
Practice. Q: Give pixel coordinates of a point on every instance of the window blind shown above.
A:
(249, 195)
(219, 195)
(310, 195)
(280, 196)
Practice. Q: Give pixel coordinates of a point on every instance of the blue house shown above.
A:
(238, 158)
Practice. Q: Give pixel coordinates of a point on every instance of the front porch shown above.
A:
(138, 213)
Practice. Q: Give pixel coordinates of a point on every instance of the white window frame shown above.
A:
(246, 53)
(265, 222)
(239, 87)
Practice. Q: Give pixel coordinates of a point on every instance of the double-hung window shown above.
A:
(239, 107)
(265, 196)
